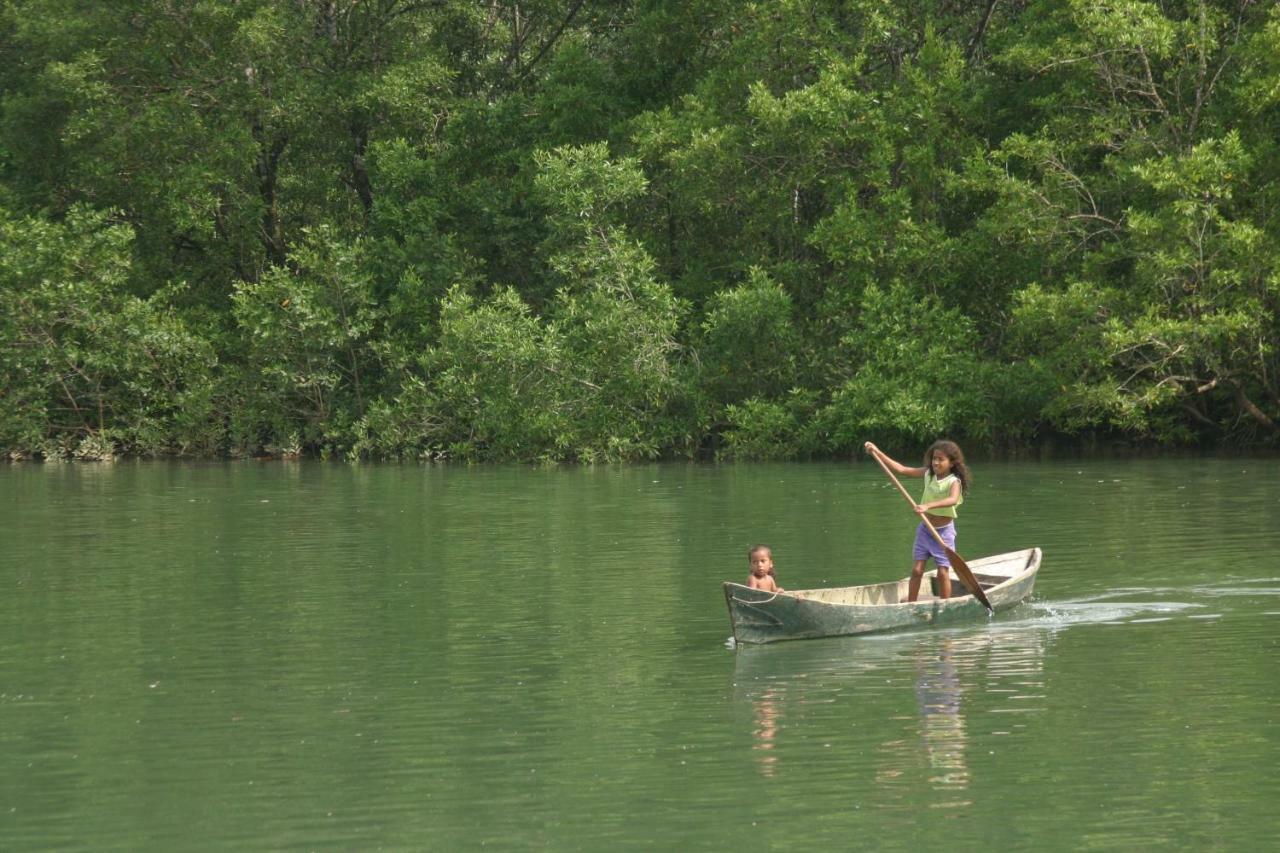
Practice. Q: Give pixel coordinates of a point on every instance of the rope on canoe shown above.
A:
(761, 601)
(751, 605)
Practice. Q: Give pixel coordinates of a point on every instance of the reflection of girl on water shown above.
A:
(938, 690)
(942, 726)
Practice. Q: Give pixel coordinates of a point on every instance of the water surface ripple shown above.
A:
(320, 656)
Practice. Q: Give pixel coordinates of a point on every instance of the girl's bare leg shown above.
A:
(913, 588)
(944, 582)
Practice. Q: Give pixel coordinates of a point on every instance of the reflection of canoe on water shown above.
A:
(765, 617)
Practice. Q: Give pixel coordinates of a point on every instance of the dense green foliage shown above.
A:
(578, 229)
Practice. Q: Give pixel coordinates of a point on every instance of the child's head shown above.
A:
(945, 457)
(760, 558)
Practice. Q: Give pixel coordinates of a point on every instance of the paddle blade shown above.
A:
(967, 578)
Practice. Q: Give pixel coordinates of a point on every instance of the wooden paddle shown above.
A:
(961, 567)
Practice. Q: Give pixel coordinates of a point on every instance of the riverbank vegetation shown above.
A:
(577, 229)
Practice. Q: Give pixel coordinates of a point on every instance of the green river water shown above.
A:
(242, 656)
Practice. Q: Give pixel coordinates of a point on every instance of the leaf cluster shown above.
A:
(587, 230)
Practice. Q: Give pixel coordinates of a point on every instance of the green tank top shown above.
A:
(936, 490)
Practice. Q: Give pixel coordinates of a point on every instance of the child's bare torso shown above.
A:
(765, 582)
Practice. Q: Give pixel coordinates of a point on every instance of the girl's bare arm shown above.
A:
(894, 465)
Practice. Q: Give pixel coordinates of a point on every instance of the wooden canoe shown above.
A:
(766, 617)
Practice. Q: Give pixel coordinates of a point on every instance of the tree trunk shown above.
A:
(267, 168)
(359, 172)
(1247, 406)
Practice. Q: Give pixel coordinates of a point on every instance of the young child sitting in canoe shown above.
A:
(946, 482)
(760, 558)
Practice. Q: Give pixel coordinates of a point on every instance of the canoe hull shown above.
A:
(764, 617)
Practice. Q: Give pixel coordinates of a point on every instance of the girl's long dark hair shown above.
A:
(952, 451)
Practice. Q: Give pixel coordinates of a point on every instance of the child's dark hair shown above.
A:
(757, 548)
(953, 452)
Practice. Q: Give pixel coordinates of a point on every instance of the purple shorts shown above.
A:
(926, 546)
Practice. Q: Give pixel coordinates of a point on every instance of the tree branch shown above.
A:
(551, 41)
(975, 41)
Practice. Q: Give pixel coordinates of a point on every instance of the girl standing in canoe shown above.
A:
(946, 482)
